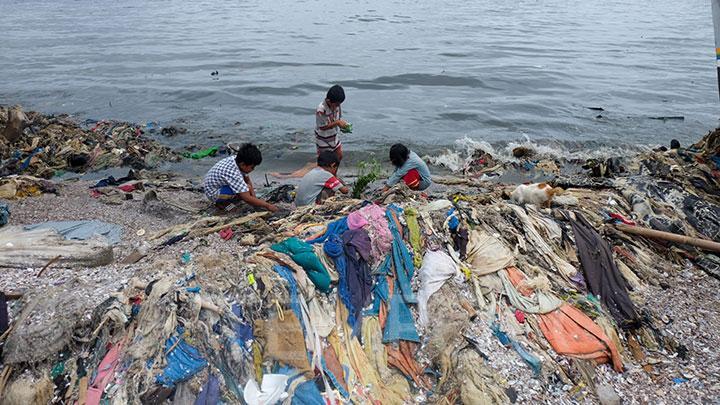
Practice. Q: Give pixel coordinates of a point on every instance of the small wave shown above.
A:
(461, 154)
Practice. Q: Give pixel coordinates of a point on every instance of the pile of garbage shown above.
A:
(460, 296)
(44, 146)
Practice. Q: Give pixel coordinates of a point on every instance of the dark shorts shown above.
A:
(227, 195)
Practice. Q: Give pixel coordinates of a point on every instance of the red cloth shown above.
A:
(412, 178)
(128, 188)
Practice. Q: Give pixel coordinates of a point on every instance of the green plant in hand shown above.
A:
(367, 173)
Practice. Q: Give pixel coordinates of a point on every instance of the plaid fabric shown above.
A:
(224, 173)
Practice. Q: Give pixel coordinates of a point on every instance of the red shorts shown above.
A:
(412, 179)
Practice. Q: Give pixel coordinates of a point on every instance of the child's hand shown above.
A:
(341, 123)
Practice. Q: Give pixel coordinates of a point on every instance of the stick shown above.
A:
(50, 263)
(12, 296)
(670, 237)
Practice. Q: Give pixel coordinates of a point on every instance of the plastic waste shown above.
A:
(212, 151)
(4, 213)
(270, 391)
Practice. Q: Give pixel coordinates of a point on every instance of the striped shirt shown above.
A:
(326, 139)
(225, 173)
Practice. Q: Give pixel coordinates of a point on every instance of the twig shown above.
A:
(50, 263)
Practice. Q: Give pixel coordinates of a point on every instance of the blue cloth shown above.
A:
(454, 222)
(183, 362)
(400, 324)
(413, 162)
(285, 273)
(359, 280)
(26, 163)
(381, 292)
(4, 213)
(333, 247)
(307, 393)
(402, 260)
(243, 329)
(529, 358)
(210, 394)
(334, 379)
(303, 254)
(337, 227)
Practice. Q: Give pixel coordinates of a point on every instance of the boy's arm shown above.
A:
(249, 183)
(323, 124)
(336, 184)
(256, 202)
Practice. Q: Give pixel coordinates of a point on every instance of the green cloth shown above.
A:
(304, 255)
(203, 153)
(415, 238)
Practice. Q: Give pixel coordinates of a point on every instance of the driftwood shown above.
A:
(670, 237)
(22, 249)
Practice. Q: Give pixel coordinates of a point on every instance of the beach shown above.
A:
(173, 284)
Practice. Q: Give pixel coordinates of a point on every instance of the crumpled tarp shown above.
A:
(572, 333)
(82, 230)
(487, 254)
(540, 302)
(183, 361)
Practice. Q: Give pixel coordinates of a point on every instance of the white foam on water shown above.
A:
(461, 155)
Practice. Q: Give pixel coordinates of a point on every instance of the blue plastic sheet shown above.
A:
(82, 230)
(183, 361)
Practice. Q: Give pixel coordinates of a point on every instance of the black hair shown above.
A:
(248, 154)
(327, 159)
(399, 154)
(336, 94)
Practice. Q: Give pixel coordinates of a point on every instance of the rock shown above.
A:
(607, 395)
(522, 151)
(16, 124)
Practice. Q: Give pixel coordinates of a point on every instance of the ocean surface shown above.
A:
(436, 75)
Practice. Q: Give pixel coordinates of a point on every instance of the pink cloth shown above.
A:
(356, 221)
(372, 218)
(105, 374)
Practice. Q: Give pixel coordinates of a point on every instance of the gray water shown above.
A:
(423, 72)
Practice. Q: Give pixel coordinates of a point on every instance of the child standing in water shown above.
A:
(329, 122)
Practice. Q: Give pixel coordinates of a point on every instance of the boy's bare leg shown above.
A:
(297, 173)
